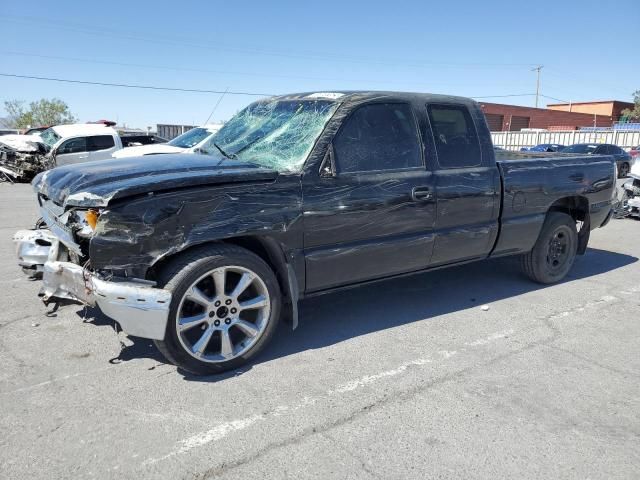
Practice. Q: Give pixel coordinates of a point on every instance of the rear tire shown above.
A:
(211, 288)
(623, 171)
(555, 250)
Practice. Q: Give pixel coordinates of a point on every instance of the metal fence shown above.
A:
(517, 140)
(172, 131)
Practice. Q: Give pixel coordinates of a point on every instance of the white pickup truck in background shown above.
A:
(80, 143)
(188, 142)
(24, 156)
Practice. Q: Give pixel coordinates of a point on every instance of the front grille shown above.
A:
(56, 219)
(56, 214)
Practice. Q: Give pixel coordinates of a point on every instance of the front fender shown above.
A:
(135, 234)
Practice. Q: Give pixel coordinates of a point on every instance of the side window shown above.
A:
(378, 137)
(601, 150)
(455, 136)
(73, 145)
(615, 150)
(100, 142)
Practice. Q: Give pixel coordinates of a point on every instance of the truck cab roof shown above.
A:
(370, 95)
(83, 129)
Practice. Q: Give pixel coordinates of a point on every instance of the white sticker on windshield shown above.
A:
(331, 95)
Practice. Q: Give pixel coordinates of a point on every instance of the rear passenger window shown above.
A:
(455, 136)
(100, 142)
(378, 137)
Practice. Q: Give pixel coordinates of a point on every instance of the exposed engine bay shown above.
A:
(22, 157)
(629, 205)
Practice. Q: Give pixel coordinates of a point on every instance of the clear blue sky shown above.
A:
(465, 47)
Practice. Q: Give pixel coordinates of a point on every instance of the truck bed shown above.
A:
(532, 182)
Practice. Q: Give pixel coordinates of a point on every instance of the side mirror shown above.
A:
(328, 166)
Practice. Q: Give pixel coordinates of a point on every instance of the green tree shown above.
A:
(42, 112)
(633, 113)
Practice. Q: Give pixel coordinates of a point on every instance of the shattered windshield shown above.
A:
(278, 134)
(191, 138)
(49, 137)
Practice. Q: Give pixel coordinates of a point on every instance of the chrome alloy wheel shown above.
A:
(223, 314)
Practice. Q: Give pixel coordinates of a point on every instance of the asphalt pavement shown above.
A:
(405, 379)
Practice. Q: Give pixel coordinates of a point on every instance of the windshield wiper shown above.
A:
(255, 140)
(230, 157)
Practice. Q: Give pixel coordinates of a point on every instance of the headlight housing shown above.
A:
(86, 222)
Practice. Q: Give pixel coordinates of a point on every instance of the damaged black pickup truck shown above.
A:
(299, 195)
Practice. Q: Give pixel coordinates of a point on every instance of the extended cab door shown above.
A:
(101, 147)
(371, 212)
(72, 150)
(467, 185)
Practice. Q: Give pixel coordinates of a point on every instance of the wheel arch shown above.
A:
(271, 252)
(577, 207)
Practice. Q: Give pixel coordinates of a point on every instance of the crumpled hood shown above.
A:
(95, 184)
(22, 143)
(147, 150)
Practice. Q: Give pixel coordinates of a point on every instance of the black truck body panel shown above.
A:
(96, 184)
(337, 230)
(532, 185)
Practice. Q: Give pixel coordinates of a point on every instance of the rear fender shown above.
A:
(578, 208)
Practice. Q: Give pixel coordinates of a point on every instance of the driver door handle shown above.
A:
(421, 194)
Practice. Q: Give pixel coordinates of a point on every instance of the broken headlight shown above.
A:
(86, 222)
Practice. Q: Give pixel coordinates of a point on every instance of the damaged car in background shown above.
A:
(300, 195)
(631, 202)
(22, 157)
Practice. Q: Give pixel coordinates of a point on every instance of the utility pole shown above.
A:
(537, 69)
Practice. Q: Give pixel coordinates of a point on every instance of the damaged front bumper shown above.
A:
(140, 309)
(633, 205)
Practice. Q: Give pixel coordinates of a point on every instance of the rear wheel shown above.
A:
(225, 307)
(555, 250)
(623, 170)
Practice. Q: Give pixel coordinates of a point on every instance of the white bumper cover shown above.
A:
(634, 206)
(141, 310)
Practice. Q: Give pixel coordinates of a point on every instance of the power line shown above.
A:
(505, 96)
(591, 82)
(556, 99)
(201, 70)
(215, 107)
(197, 90)
(198, 43)
(128, 85)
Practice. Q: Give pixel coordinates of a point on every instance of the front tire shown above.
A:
(225, 308)
(555, 250)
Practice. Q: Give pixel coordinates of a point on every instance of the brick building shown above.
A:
(612, 108)
(514, 118)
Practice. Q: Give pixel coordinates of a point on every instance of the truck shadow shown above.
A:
(333, 318)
